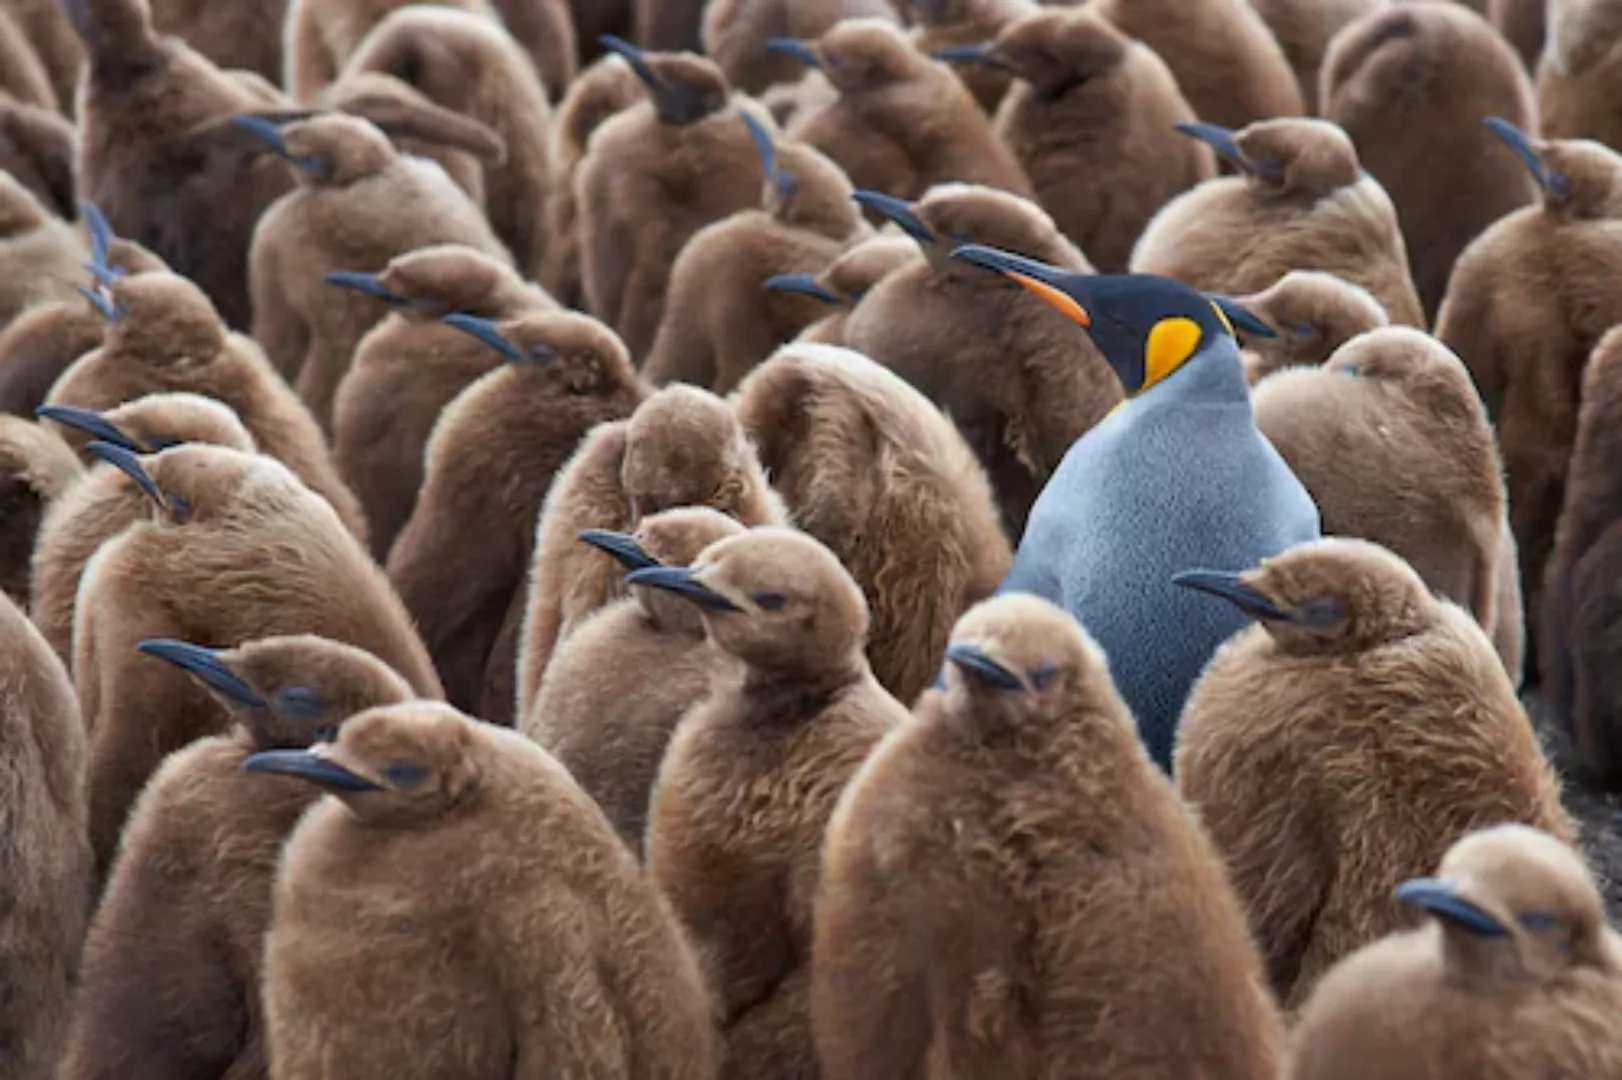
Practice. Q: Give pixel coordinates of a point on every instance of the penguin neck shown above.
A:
(1213, 376)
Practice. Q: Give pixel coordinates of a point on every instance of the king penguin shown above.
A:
(1175, 477)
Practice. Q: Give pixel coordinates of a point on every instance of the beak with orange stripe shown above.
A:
(1146, 326)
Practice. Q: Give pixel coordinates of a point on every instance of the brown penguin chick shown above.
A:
(682, 447)
(544, 905)
(1314, 314)
(782, 736)
(39, 345)
(490, 459)
(1304, 29)
(939, 25)
(469, 64)
(36, 468)
(1020, 386)
(359, 204)
(90, 513)
(720, 318)
(1372, 87)
(595, 18)
(902, 122)
(320, 36)
(1045, 856)
(736, 33)
(36, 148)
(23, 76)
(653, 175)
(617, 687)
(410, 366)
(1527, 303)
(1578, 617)
(1514, 974)
(871, 468)
(167, 337)
(1392, 443)
(669, 25)
(198, 568)
(1340, 746)
(159, 154)
(54, 41)
(1577, 73)
(1301, 202)
(41, 256)
(45, 891)
(606, 87)
(1227, 62)
(545, 28)
(240, 36)
(1092, 118)
(847, 279)
(1523, 23)
(172, 963)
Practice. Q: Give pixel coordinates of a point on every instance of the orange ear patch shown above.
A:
(1058, 298)
(1169, 345)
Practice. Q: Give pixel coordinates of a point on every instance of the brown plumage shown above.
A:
(23, 76)
(1391, 441)
(1011, 888)
(36, 148)
(1515, 974)
(320, 36)
(1527, 303)
(169, 338)
(848, 278)
(1226, 60)
(682, 447)
(1301, 202)
(469, 64)
(410, 366)
(245, 36)
(1578, 75)
(39, 345)
(954, 24)
(170, 985)
(1021, 385)
(461, 836)
(359, 203)
(1304, 29)
(45, 887)
(594, 18)
(36, 468)
(617, 686)
(1524, 25)
(735, 34)
(669, 25)
(1340, 746)
(490, 460)
(902, 121)
(1413, 82)
(197, 569)
(51, 35)
(159, 154)
(601, 90)
(1578, 614)
(1092, 118)
(720, 321)
(1312, 314)
(41, 256)
(545, 28)
(781, 736)
(653, 175)
(871, 468)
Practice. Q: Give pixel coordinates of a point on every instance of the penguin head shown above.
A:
(392, 765)
(1515, 906)
(195, 483)
(671, 538)
(1055, 50)
(162, 319)
(776, 599)
(684, 87)
(329, 149)
(952, 214)
(561, 353)
(1326, 597)
(1311, 314)
(1578, 178)
(858, 56)
(1415, 367)
(1147, 327)
(1290, 157)
(154, 422)
(804, 188)
(437, 280)
(685, 447)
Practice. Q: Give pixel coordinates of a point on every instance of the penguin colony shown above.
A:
(800, 539)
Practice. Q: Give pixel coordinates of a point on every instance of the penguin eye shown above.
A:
(179, 509)
(770, 601)
(1539, 921)
(1320, 613)
(403, 775)
(1304, 329)
(1042, 676)
(299, 701)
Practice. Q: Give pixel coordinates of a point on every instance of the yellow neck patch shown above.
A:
(1170, 343)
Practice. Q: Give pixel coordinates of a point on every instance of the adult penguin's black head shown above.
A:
(1146, 326)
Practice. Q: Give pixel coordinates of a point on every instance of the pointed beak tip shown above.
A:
(980, 665)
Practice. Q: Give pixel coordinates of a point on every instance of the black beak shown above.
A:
(1232, 589)
(984, 53)
(631, 555)
(308, 766)
(271, 133)
(1241, 317)
(636, 58)
(897, 210)
(805, 285)
(206, 665)
(974, 663)
(1441, 898)
(129, 464)
(786, 184)
(104, 307)
(486, 331)
(100, 230)
(1220, 139)
(365, 283)
(680, 580)
(795, 48)
(1554, 183)
(91, 423)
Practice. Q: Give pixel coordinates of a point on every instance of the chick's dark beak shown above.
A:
(486, 331)
(1555, 183)
(91, 423)
(370, 284)
(983, 53)
(793, 47)
(1232, 588)
(680, 580)
(206, 665)
(308, 766)
(897, 210)
(804, 284)
(622, 546)
(975, 663)
(1441, 898)
(129, 464)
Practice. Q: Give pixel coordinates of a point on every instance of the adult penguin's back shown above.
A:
(1177, 477)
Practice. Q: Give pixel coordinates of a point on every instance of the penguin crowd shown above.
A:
(810, 539)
